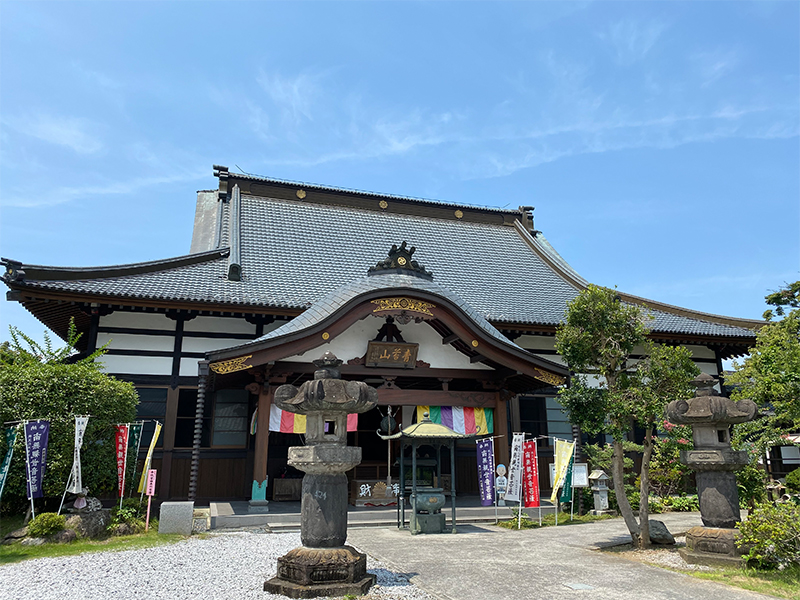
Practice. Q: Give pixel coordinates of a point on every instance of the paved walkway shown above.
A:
(484, 562)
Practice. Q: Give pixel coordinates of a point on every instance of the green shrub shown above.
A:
(793, 481)
(45, 524)
(684, 503)
(41, 384)
(772, 535)
(132, 513)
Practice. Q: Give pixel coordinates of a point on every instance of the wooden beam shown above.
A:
(449, 339)
(477, 358)
(502, 435)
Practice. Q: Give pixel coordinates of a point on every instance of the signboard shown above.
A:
(394, 355)
(580, 475)
(151, 482)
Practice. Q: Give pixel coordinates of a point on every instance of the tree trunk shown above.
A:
(644, 490)
(619, 489)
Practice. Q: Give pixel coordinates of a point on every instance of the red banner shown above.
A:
(122, 455)
(531, 474)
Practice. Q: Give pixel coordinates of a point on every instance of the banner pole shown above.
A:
(571, 502)
(64, 495)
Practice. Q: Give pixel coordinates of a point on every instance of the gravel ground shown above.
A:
(660, 556)
(218, 567)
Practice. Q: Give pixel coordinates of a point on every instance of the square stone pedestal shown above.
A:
(712, 546)
(434, 523)
(176, 517)
(258, 507)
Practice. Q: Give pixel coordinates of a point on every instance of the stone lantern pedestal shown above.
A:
(715, 464)
(324, 566)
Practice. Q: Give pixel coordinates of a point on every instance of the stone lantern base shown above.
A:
(313, 572)
(712, 546)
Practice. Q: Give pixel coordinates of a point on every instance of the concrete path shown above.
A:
(484, 562)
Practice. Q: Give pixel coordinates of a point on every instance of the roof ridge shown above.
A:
(330, 188)
(18, 271)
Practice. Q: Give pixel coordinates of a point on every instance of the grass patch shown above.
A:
(549, 520)
(782, 584)
(16, 553)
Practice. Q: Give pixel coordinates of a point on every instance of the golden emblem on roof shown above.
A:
(407, 304)
(549, 377)
(230, 366)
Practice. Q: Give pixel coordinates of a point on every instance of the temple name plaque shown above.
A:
(394, 355)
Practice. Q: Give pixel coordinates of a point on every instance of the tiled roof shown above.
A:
(293, 253)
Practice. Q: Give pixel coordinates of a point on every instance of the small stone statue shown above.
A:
(501, 485)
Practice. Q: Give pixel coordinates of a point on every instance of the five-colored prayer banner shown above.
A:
(284, 421)
(461, 419)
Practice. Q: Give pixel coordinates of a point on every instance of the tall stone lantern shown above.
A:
(323, 565)
(715, 463)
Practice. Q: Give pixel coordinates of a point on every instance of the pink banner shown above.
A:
(531, 474)
(122, 455)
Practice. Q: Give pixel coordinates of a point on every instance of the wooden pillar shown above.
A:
(202, 371)
(501, 429)
(168, 445)
(262, 432)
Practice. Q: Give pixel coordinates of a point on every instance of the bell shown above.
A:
(388, 424)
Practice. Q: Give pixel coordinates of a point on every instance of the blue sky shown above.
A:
(658, 141)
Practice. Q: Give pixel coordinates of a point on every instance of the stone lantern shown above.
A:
(715, 463)
(599, 481)
(324, 566)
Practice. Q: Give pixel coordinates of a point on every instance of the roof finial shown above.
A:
(399, 261)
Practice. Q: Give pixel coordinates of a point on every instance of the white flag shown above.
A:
(514, 490)
(76, 487)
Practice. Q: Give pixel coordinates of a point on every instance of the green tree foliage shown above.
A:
(770, 376)
(42, 382)
(597, 339)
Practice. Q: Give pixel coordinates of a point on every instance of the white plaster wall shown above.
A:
(536, 342)
(220, 325)
(138, 320)
(125, 341)
(352, 343)
(138, 365)
(193, 344)
(188, 367)
(701, 351)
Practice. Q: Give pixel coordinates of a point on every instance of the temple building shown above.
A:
(448, 307)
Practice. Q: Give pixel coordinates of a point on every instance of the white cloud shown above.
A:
(71, 132)
(632, 40)
(24, 199)
(293, 96)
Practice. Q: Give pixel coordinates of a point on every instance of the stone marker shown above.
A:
(176, 517)
(324, 566)
(715, 463)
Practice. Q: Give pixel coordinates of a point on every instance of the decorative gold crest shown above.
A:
(383, 204)
(407, 304)
(230, 366)
(459, 214)
(550, 378)
(326, 336)
(301, 194)
(474, 343)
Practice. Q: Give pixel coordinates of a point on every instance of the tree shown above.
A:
(40, 381)
(597, 339)
(770, 376)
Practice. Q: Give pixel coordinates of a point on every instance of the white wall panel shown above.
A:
(137, 320)
(138, 365)
(125, 341)
(193, 344)
(189, 367)
(220, 325)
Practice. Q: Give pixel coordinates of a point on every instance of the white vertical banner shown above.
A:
(514, 490)
(76, 484)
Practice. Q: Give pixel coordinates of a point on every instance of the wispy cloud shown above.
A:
(74, 133)
(713, 65)
(631, 40)
(293, 96)
(25, 199)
